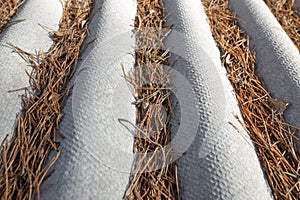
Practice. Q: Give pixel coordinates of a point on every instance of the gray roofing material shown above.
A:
(96, 160)
(31, 37)
(277, 58)
(97, 151)
(220, 163)
(297, 5)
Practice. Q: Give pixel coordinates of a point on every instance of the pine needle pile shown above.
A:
(153, 177)
(288, 17)
(7, 9)
(274, 139)
(23, 159)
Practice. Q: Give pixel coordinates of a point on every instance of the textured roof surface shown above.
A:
(220, 162)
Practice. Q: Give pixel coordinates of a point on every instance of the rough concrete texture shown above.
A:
(31, 37)
(97, 153)
(220, 163)
(278, 59)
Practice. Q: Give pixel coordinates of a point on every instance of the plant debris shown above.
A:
(152, 177)
(7, 9)
(288, 17)
(275, 141)
(23, 159)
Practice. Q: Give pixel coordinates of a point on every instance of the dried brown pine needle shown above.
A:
(23, 159)
(150, 82)
(7, 9)
(274, 139)
(288, 17)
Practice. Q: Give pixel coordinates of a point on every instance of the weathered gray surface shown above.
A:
(97, 151)
(297, 5)
(31, 37)
(278, 59)
(220, 163)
